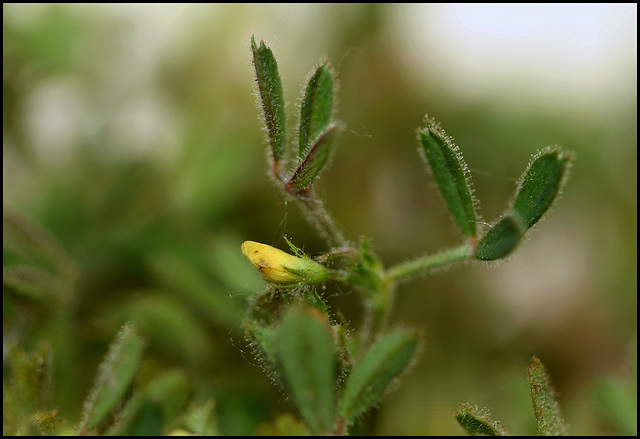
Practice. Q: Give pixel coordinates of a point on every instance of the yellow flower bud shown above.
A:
(282, 268)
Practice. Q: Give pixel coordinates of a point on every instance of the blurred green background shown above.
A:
(134, 167)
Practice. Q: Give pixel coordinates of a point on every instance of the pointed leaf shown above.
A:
(545, 404)
(271, 96)
(315, 160)
(478, 422)
(307, 355)
(451, 174)
(380, 366)
(114, 378)
(264, 340)
(500, 240)
(317, 106)
(540, 185)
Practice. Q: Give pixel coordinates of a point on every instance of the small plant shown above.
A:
(334, 374)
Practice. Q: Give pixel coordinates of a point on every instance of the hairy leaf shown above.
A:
(317, 106)
(478, 422)
(307, 354)
(381, 365)
(114, 378)
(316, 159)
(500, 240)
(271, 96)
(540, 185)
(545, 404)
(451, 175)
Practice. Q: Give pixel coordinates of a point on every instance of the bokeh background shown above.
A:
(132, 148)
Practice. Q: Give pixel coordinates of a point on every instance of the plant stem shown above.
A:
(428, 262)
(381, 307)
(324, 223)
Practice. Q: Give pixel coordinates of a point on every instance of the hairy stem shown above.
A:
(429, 262)
(319, 217)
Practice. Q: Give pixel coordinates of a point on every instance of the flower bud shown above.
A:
(282, 268)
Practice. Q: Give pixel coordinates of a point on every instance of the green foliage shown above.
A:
(317, 107)
(367, 270)
(316, 134)
(114, 233)
(315, 160)
(271, 96)
(114, 379)
(451, 173)
(155, 406)
(538, 188)
(501, 239)
(301, 352)
(307, 356)
(477, 422)
(545, 401)
(540, 185)
(387, 358)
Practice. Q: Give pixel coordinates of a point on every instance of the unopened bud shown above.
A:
(282, 268)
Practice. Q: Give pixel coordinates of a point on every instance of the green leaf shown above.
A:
(451, 174)
(545, 404)
(477, 422)
(317, 106)
(271, 96)
(157, 403)
(264, 344)
(307, 354)
(501, 239)
(315, 160)
(115, 376)
(387, 358)
(540, 185)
